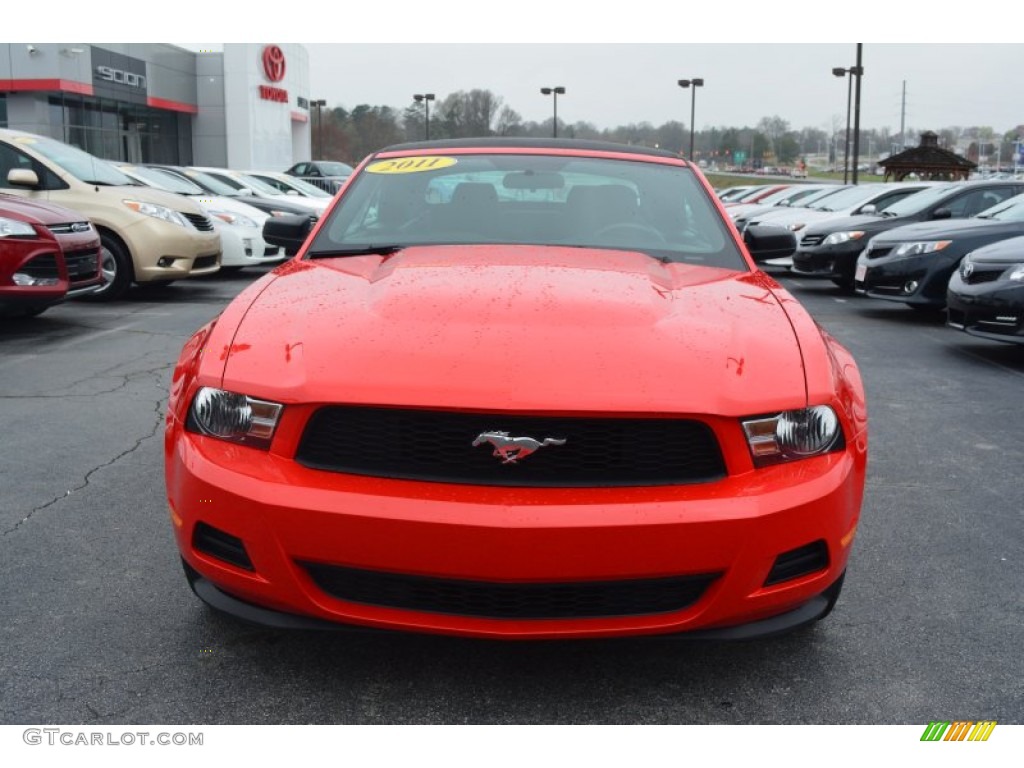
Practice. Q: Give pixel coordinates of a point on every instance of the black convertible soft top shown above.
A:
(529, 143)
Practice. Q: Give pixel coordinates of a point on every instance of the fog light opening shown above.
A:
(910, 286)
(24, 280)
(165, 261)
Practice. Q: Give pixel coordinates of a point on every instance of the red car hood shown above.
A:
(518, 328)
(34, 212)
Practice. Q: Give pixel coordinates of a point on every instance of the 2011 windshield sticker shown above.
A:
(411, 164)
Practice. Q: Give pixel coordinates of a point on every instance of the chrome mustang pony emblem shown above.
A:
(511, 449)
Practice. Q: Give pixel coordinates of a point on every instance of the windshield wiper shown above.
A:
(356, 250)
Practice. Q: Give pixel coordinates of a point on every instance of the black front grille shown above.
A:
(812, 240)
(83, 265)
(43, 267)
(67, 229)
(200, 222)
(798, 562)
(984, 274)
(501, 600)
(877, 253)
(438, 446)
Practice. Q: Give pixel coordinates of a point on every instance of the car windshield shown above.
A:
(849, 197)
(821, 194)
(161, 180)
(334, 169)
(909, 206)
(1008, 210)
(212, 184)
(259, 186)
(79, 164)
(657, 208)
(302, 187)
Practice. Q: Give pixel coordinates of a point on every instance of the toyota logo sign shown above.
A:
(273, 63)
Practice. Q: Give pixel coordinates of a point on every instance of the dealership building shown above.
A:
(246, 106)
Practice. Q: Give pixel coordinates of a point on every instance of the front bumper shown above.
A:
(917, 280)
(288, 520)
(990, 311)
(766, 242)
(837, 262)
(164, 251)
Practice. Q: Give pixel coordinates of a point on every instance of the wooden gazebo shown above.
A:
(929, 161)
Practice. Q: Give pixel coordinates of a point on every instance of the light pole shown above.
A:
(426, 98)
(695, 83)
(841, 72)
(318, 103)
(553, 92)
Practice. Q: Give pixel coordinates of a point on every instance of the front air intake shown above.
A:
(220, 545)
(798, 562)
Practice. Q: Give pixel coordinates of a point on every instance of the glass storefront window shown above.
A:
(119, 131)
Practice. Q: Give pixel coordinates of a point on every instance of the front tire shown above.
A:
(116, 266)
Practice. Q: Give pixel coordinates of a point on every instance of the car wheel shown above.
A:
(116, 266)
(843, 282)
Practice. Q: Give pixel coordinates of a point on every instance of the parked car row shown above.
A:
(957, 246)
(85, 227)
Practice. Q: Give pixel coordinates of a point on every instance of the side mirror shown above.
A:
(288, 232)
(245, 192)
(869, 209)
(293, 192)
(22, 177)
(942, 213)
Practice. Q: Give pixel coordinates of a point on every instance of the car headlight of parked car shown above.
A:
(838, 238)
(1016, 273)
(235, 219)
(233, 417)
(15, 228)
(157, 212)
(796, 227)
(920, 247)
(792, 435)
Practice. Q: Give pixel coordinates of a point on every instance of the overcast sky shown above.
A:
(620, 62)
(615, 84)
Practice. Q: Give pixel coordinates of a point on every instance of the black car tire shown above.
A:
(843, 282)
(116, 266)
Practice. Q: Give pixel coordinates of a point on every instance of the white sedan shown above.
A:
(239, 225)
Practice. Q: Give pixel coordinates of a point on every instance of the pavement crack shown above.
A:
(158, 410)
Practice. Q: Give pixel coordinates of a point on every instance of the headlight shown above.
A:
(15, 228)
(233, 417)
(281, 213)
(157, 212)
(916, 249)
(796, 227)
(838, 238)
(235, 219)
(1016, 273)
(793, 435)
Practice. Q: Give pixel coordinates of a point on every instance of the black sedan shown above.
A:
(830, 249)
(913, 264)
(986, 295)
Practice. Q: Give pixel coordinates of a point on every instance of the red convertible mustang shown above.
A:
(517, 389)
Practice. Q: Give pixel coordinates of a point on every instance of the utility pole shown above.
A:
(856, 119)
(903, 119)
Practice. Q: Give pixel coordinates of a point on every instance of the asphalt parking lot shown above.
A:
(100, 627)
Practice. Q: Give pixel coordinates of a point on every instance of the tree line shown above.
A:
(350, 135)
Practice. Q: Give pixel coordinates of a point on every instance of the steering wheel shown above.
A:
(626, 228)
